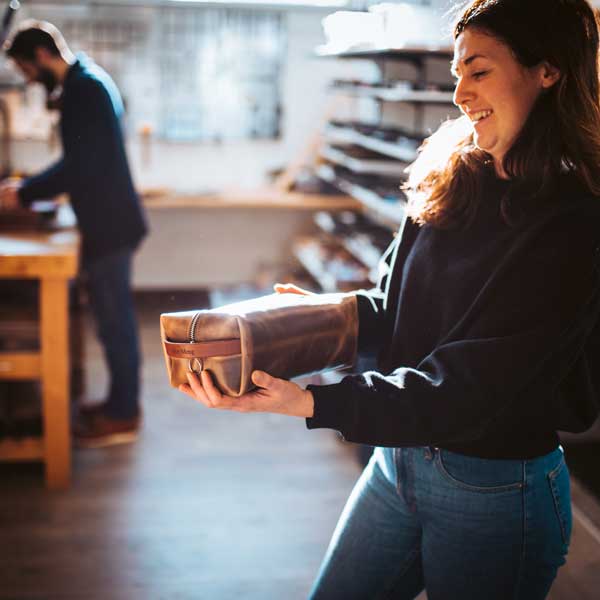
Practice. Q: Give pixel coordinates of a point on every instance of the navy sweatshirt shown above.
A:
(485, 337)
(93, 170)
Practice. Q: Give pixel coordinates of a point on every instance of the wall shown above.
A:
(191, 248)
(198, 167)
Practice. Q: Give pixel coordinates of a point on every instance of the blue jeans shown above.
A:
(109, 288)
(462, 528)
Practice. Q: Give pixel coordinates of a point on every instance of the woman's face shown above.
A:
(495, 91)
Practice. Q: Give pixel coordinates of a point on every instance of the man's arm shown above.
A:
(48, 183)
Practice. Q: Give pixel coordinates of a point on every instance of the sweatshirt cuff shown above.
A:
(329, 408)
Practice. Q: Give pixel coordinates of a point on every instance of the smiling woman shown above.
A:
(496, 92)
(484, 326)
(527, 83)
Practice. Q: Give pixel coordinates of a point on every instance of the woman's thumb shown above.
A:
(261, 379)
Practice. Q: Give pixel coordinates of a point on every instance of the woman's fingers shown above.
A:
(214, 395)
(273, 395)
(197, 389)
(186, 389)
(290, 288)
(203, 389)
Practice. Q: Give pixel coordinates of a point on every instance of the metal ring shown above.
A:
(195, 362)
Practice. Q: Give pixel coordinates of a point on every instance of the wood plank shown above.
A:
(38, 254)
(26, 449)
(55, 380)
(267, 198)
(32, 267)
(20, 366)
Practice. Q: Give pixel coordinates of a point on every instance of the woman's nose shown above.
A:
(462, 93)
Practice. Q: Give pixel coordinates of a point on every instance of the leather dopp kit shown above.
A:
(286, 335)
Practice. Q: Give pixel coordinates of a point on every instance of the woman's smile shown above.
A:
(488, 73)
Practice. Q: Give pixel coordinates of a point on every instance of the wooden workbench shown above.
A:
(222, 240)
(264, 198)
(52, 258)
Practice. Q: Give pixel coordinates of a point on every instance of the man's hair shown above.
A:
(32, 35)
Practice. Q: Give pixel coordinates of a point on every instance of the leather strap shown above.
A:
(203, 349)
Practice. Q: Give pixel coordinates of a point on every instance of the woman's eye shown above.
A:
(479, 74)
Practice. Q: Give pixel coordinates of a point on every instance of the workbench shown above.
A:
(202, 241)
(52, 258)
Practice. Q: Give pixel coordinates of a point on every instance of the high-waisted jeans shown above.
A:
(463, 528)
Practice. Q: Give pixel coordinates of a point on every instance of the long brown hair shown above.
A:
(561, 133)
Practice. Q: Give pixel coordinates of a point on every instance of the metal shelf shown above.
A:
(391, 213)
(309, 252)
(350, 136)
(306, 257)
(378, 53)
(364, 165)
(361, 249)
(397, 94)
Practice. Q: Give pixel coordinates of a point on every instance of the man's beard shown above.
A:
(47, 79)
(53, 91)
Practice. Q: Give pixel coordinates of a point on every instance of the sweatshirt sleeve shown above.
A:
(525, 328)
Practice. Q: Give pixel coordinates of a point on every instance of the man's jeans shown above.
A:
(463, 528)
(109, 288)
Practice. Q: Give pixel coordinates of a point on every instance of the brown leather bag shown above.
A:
(286, 335)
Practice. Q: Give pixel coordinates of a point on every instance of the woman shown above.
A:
(483, 324)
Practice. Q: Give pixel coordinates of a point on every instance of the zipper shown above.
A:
(195, 365)
(192, 329)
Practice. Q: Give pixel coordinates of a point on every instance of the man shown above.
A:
(94, 172)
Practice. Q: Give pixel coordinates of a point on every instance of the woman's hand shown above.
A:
(273, 395)
(290, 288)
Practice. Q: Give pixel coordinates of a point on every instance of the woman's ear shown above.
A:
(549, 75)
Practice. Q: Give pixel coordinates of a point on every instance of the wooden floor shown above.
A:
(580, 577)
(207, 505)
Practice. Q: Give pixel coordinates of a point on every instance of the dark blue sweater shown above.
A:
(486, 338)
(94, 169)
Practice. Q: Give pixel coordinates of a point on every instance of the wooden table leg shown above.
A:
(54, 336)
